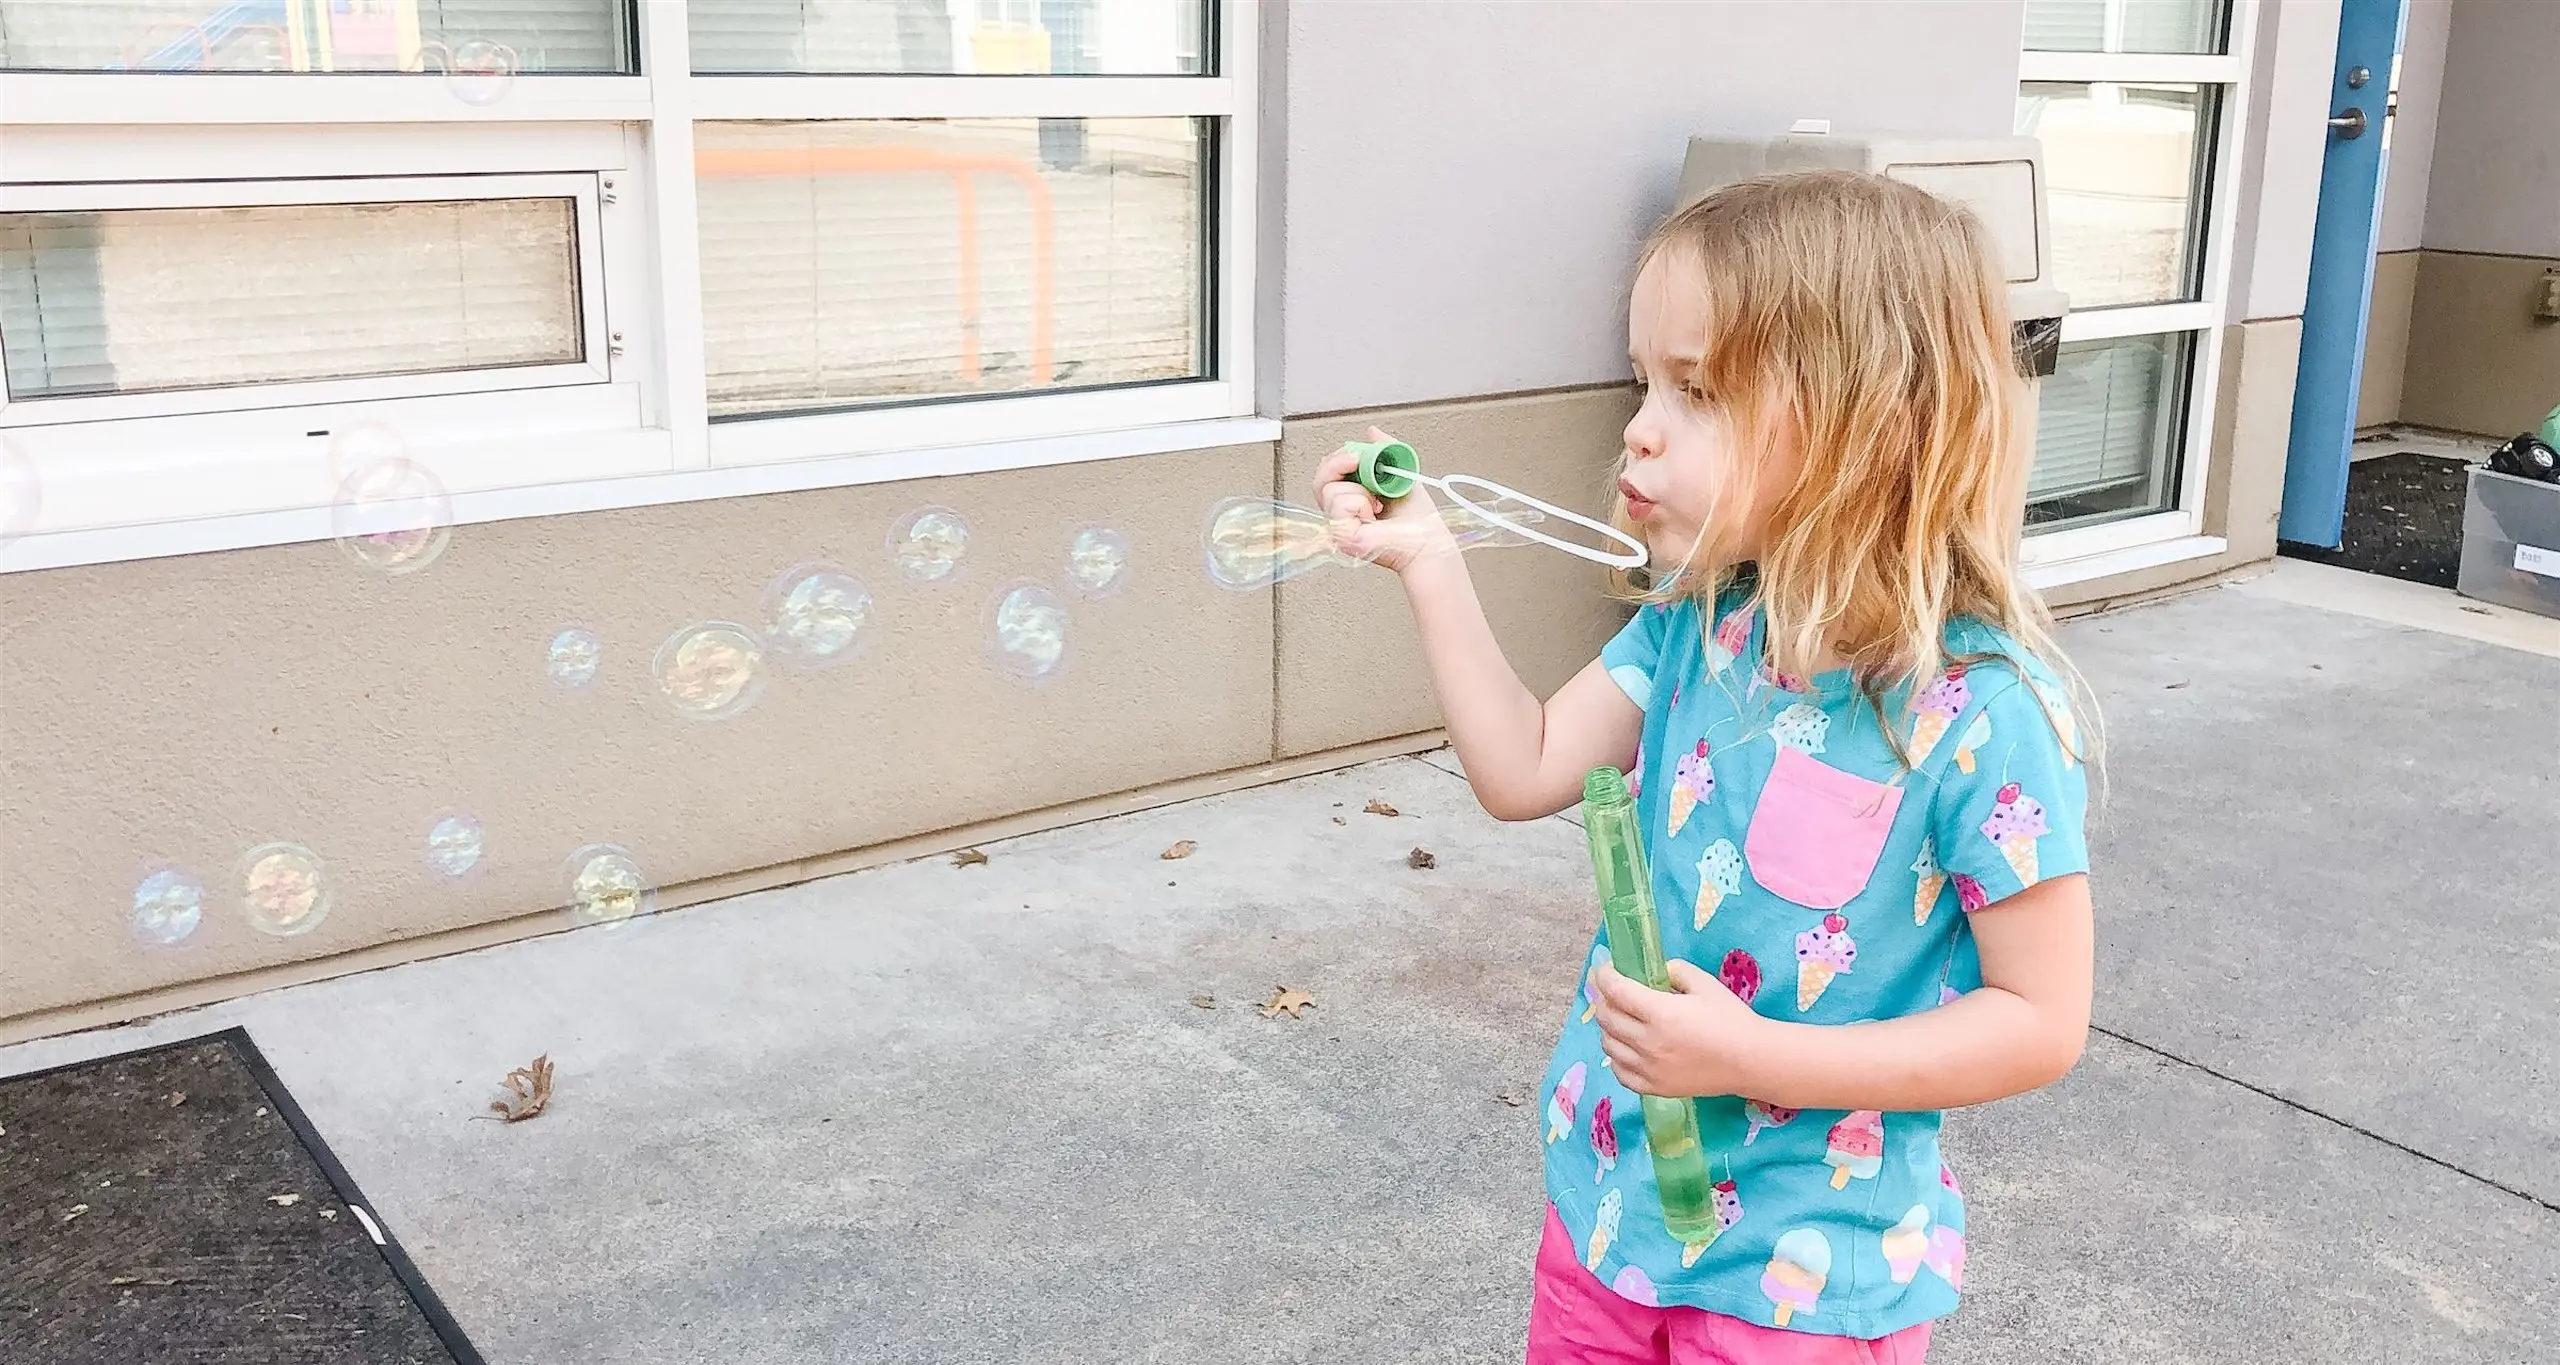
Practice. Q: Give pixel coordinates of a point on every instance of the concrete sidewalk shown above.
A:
(950, 1114)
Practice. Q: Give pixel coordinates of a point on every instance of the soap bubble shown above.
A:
(573, 656)
(1098, 561)
(815, 615)
(21, 492)
(392, 516)
(711, 671)
(1261, 542)
(453, 845)
(1030, 630)
(480, 72)
(284, 889)
(929, 542)
(167, 906)
(606, 886)
(361, 445)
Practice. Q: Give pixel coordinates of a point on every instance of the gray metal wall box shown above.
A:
(2000, 178)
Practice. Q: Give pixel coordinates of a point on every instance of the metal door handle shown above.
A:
(2350, 124)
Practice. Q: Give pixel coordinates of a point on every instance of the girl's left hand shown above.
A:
(1688, 1041)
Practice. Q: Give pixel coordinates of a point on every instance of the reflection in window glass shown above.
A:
(2191, 26)
(862, 261)
(2109, 431)
(479, 36)
(2123, 187)
(950, 37)
(138, 300)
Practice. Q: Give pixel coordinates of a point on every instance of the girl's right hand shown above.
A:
(1393, 535)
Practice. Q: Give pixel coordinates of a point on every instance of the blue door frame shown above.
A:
(2341, 292)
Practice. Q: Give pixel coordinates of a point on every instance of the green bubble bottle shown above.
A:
(1635, 949)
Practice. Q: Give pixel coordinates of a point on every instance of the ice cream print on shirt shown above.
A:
(1822, 952)
(1901, 823)
(1935, 710)
(1855, 1148)
(2017, 821)
(1798, 1269)
(1719, 877)
(1692, 781)
(1561, 1106)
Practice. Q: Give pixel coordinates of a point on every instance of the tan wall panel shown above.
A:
(1350, 668)
(184, 710)
(2479, 361)
(2386, 338)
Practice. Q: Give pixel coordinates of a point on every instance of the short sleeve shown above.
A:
(2012, 801)
(1631, 656)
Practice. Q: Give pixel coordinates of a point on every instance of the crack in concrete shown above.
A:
(2356, 1128)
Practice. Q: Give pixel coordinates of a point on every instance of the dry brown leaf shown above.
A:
(76, 1211)
(1421, 860)
(176, 1098)
(1206, 1002)
(284, 1201)
(1377, 807)
(1288, 1000)
(968, 857)
(330, 1215)
(1182, 849)
(528, 1090)
(1507, 1098)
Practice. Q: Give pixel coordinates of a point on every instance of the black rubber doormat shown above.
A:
(174, 1204)
(2404, 519)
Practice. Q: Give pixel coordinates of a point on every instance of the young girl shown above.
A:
(1861, 780)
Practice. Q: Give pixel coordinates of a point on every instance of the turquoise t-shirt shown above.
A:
(1794, 856)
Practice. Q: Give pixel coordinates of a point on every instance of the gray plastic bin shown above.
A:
(2511, 542)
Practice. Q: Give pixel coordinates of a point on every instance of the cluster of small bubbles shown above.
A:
(284, 889)
(392, 516)
(573, 656)
(814, 615)
(606, 886)
(453, 845)
(710, 671)
(480, 72)
(1097, 561)
(21, 492)
(167, 906)
(1030, 631)
(929, 543)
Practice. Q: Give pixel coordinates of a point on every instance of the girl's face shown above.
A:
(1684, 469)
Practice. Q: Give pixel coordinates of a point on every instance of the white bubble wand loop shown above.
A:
(1390, 470)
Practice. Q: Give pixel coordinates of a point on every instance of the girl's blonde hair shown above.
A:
(1865, 317)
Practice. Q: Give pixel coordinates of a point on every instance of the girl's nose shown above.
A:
(1642, 438)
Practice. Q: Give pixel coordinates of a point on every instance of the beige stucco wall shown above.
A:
(2386, 338)
(2478, 360)
(185, 710)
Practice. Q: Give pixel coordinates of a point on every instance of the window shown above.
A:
(2135, 103)
(548, 245)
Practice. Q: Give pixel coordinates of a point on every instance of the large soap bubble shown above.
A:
(1097, 561)
(284, 890)
(711, 671)
(607, 887)
(392, 516)
(930, 543)
(1028, 626)
(167, 906)
(815, 616)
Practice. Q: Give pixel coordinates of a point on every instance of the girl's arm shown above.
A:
(2023, 1029)
(1525, 759)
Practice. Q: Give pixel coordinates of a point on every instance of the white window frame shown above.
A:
(585, 222)
(189, 472)
(2079, 553)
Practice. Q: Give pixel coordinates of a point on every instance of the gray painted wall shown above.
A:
(2413, 134)
(2494, 185)
(1467, 182)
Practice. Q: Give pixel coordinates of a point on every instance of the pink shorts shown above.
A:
(1576, 1320)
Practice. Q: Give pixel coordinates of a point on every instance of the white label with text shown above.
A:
(2535, 559)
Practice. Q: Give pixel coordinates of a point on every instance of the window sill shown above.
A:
(2063, 573)
(292, 525)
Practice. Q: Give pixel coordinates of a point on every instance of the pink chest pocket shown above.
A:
(1817, 832)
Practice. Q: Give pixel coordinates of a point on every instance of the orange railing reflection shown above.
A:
(811, 162)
